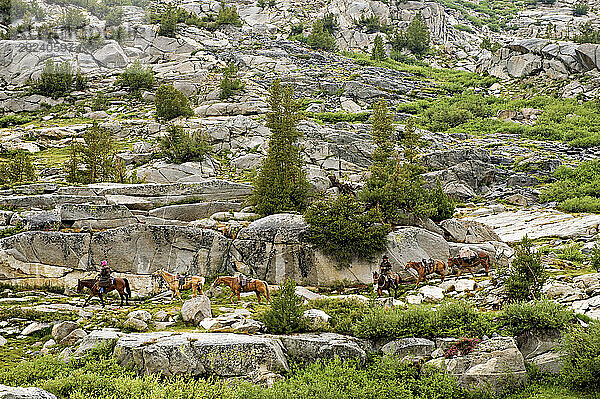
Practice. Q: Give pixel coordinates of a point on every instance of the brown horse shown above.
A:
(482, 259)
(119, 284)
(424, 270)
(193, 282)
(382, 282)
(258, 286)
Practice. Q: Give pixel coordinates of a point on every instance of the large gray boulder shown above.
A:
(7, 392)
(311, 347)
(487, 366)
(190, 212)
(200, 354)
(94, 339)
(196, 309)
(62, 329)
(541, 349)
(411, 347)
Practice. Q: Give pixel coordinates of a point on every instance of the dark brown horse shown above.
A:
(258, 286)
(382, 282)
(482, 259)
(119, 284)
(424, 269)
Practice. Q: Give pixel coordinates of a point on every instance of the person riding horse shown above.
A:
(104, 279)
(242, 279)
(385, 268)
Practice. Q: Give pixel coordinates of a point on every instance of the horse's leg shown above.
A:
(178, 294)
(172, 295)
(101, 299)
(239, 295)
(257, 296)
(194, 290)
(201, 288)
(121, 296)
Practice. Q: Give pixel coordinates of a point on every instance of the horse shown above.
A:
(382, 282)
(193, 282)
(258, 286)
(423, 270)
(482, 258)
(119, 284)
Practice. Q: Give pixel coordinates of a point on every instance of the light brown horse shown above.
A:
(482, 259)
(119, 284)
(424, 270)
(193, 282)
(382, 282)
(258, 286)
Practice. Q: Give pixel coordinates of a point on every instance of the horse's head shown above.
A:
(79, 286)
(375, 277)
(410, 265)
(157, 273)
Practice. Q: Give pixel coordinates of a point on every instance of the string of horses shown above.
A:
(381, 282)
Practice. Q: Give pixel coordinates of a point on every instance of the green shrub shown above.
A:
(344, 313)
(580, 9)
(463, 28)
(95, 159)
(595, 255)
(320, 38)
(371, 24)
(55, 81)
(576, 189)
(451, 319)
(73, 19)
(99, 102)
(281, 184)
(443, 206)
(571, 252)
(526, 275)
(228, 16)
(539, 315)
(581, 359)
(171, 103)
(285, 315)
(135, 77)
(230, 84)
(13, 120)
(17, 169)
(587, 34)
(168, 22)
(339, 116)
(343, 229)
(378, 52)
(178, 146)
(416, 38)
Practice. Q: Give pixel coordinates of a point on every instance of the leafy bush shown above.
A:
(581, 359)
(344, 312)
(17, 169)
(339, 116)
(463, 28)
(378, 52)
(451, 319)
(285, 315)
(371, 24)
(571, 252)
(576, 189)
(230, 84)
(320, 38)
(580, 9)
(281, 184)
(95, 159)
(587, 34)
(73, 19)
(135, 77)
(55, 81)
(526, 275)
(178, 146)
(443, 206)
(168, 22)
(228, 16)
(463, 347)
(539, 315)
(171, 103)
(13, 120)
(99, 102)
(343, 229)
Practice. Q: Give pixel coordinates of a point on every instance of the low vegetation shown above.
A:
(136, 77)
(171, 103)
(17, 168)
(179, 146)
(284, 316)
(230, 84)
(576, 189)
(527, 274)
(57, 80)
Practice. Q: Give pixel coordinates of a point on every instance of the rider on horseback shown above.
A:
(385, 268)
(104, 279)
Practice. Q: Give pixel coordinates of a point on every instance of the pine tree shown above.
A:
(378, 52)
(281, 184)
(526, 274)
(417, 35)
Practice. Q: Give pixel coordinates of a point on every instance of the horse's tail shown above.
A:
(127, 288)
(267, 291)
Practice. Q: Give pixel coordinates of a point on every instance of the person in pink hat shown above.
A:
(104, 278)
